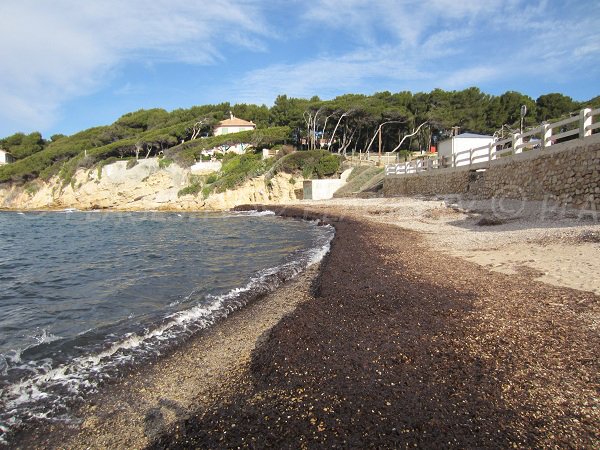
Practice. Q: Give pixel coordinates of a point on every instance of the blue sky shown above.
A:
(72, 64)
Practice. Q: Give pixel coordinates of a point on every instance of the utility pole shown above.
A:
(523, 112)
(380, 145)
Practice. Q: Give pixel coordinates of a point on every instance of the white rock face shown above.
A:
(144, 186)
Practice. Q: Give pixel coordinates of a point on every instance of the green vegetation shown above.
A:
(348, 122)
(163, 163)
(67, 171)
(236, 170)
(195, 186)
(31, 188)
(311, 163)
(187, 153)
(361, 179)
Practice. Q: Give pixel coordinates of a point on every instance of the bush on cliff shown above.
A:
(236, 170)
(319, 163)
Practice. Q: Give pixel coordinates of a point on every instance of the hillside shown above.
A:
(343, 125)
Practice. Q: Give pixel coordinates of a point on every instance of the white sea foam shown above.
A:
(45, 337)
(252, 213)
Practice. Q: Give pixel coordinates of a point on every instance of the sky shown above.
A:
(67, 65)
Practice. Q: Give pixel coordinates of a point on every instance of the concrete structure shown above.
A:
(268, 153)
(451, 149)
(324, 189)
(206, 167)
(567, 174)
(233, 125)
(5, 157)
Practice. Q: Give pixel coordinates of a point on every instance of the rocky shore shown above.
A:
(145, 186)
(406, 346)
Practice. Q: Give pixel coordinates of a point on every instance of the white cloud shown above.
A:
(414, 44)
(326, 75)
(54, 51)
(471, 76)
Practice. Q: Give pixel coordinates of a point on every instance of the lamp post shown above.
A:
(523, 112)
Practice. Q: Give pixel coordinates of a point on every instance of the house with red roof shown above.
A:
(229, 126)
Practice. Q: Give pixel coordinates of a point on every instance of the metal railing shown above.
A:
(537, 139)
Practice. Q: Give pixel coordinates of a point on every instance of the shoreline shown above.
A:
(438, 351)
(134, 409)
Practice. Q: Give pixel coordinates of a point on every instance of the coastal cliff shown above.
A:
(146, 185)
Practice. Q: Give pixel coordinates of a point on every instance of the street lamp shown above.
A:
(523, 112)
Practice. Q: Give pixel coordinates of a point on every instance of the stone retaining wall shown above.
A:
(568, 173)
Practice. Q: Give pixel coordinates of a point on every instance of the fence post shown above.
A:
(490, 150)
(516, 141)
(546, 135)
(585, 120)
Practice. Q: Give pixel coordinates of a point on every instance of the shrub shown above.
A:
(196, 183)
(308, 163)
(328, 165)
(68, 169)
(307, 172)
(235, 171)
(31, 188)
(131, 163)
(192, 189)
(206, 190)
(163, 163)
(283, 150)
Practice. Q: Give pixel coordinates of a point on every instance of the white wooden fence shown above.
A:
(537, 139)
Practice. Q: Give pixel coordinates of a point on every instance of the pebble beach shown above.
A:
(430, 323)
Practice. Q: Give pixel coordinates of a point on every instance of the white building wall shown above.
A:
(321, 189)
(456, 144)
(5, 158)
(206, 167)
(219, 131)
(324, 189)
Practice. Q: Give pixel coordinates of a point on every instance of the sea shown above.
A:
(86, 295)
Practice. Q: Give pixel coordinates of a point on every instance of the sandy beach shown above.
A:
(554, 245)
(431, 322)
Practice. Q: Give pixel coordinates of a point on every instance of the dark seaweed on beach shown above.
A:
(403, 346)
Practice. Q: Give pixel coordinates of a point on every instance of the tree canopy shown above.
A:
(348, 123)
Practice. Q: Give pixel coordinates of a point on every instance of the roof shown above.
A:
(235, 122)
(473, 135)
